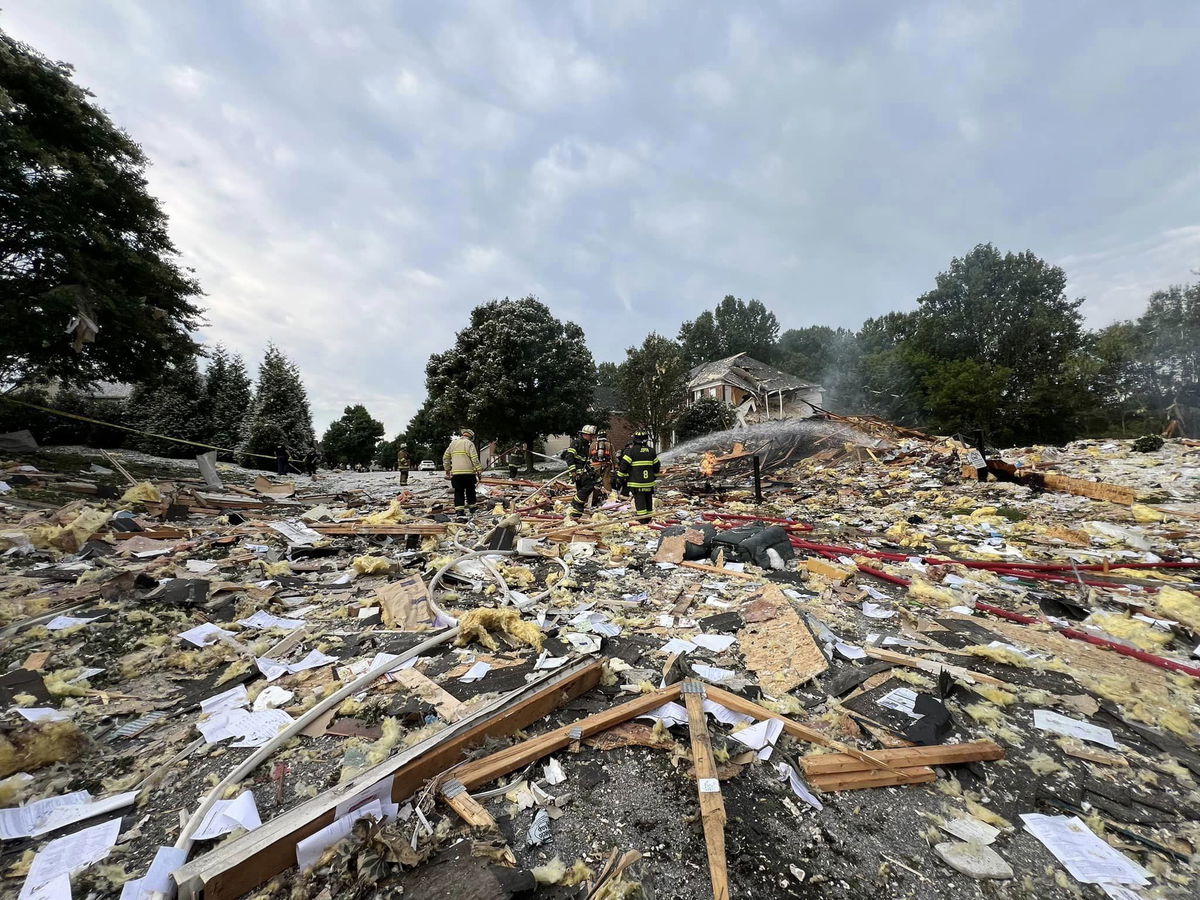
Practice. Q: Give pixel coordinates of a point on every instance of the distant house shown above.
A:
(756, 391)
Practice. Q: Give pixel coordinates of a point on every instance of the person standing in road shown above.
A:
(578, 458)
(403, 463)
(281, 460)
(638, 470)
(461, 462)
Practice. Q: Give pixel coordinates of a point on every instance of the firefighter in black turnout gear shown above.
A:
(580, 470)
(638, 471)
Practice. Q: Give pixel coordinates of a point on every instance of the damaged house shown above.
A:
(756, 391)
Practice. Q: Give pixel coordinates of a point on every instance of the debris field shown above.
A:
(865, 672)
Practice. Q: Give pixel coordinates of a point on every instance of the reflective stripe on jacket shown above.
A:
(576, 457)
(639, 466)
(461, 457)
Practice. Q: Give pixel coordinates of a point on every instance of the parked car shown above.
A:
(427, 466)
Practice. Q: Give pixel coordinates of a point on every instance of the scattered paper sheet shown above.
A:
(309, 850)
(203, 635)
(476, 672)
(717, 643)
(20, 821)
(158, 878)
(262, 619)
(380, 792)
(296, 532)
(677, 645)
(200, 566)
(971, 830)
(272, 697)
(51, 868)
(1087, 857)
(1052, 721)
(58, 623)
(546, 661)
(226, 815)
(799, 788)
(874, 611)
(553, 772)
(849, 651)
(715, 674)
(670, 714)
(62, 816)
(253, 729)
(760, 736)
(273, 669)
(901, 700)
(230, 699)
(42, 714)
(724, 715)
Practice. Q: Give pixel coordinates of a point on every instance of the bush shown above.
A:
(706, 415)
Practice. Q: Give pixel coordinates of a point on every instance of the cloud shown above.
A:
(349, 180)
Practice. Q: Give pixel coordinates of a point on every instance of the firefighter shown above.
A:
(580, 471)
(602, 462)
(403, 463)
(461, 462)
(638, 471)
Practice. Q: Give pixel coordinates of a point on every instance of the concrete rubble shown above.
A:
(883, 677)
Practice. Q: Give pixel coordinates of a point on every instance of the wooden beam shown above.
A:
(931, 666)
(418, 528)
(902, 758)
(701, 567)
(482, 771)
(468, 808)
(708, 786)
(852, 781)
(795, 729)
(240, 865)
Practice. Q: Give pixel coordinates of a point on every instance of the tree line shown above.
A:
(93, 291)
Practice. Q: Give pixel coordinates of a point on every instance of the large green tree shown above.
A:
(280, 413)
(352, 438)
(90, 285)
(228, 396)
(653, 380)
(706, 415)
(826, 356)
(172, 404)
(429, 433)
(514, 374)
(735, 326)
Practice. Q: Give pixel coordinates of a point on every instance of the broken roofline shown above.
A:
(747, 373)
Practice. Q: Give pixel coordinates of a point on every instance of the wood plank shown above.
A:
(853, 781)
(482, 771)
(931, 666)
(795, 729)
(905, 757)
(714, 570)
(448, 707)
(1096, 490)
(341, 528)
(455, 795)
(708, 786)
(780, 650)
(240, 865)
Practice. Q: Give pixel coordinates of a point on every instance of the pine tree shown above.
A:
(279, 413)
(352, 438)
(172, 404)
(228, 393)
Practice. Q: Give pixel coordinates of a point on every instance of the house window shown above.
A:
(712, 392)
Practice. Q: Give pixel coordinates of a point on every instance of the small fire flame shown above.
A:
(708, 465)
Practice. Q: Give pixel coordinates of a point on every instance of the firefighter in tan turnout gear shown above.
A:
(461, 462)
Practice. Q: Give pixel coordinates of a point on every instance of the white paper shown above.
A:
(849, 651)
(584, 643)
(717, 643)
(724, 715)
(670, 714)
(200, 566)
(380, 792)
(1087, 857)
(203, 635)
(760, 736)
(20, 821)
(873, 611)
(42, 714)
(546, 661)
(309, 850)
(476, 672)
(56, 861)
(1052, 721)
(230, 699)
(715, 674)
(253, 729)
(158, 878)
(677, 645)
(296, 532)
(901, 700)
(553, 772)
(226, 815)
(272, 697)
(799, 788)
(58, 623)
(971, 830)
(262, 619)
(273, 668)
(62, 816)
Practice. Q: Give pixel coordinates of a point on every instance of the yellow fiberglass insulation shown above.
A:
(481, 624)
(276, 569)
(938, 596)
(37, 746)
(1138, 633)
(1181, 606)
(72, 536)
(142, 493)
(382, 748)
(371, 565)
(393, 515)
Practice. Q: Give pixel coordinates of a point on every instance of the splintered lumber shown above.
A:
(489, 768)
(795, 729)
(852, 781)
(1096, 490)
(239, 865)
(431, 692)
(906, 757)
(708, 786)
(828, 570)
(406, 528)
(468, 808)
(717, 570)
(929, 665)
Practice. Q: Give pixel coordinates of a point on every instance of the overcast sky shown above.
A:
(349, 178)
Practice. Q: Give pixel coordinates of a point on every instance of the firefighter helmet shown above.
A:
(589, 430)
